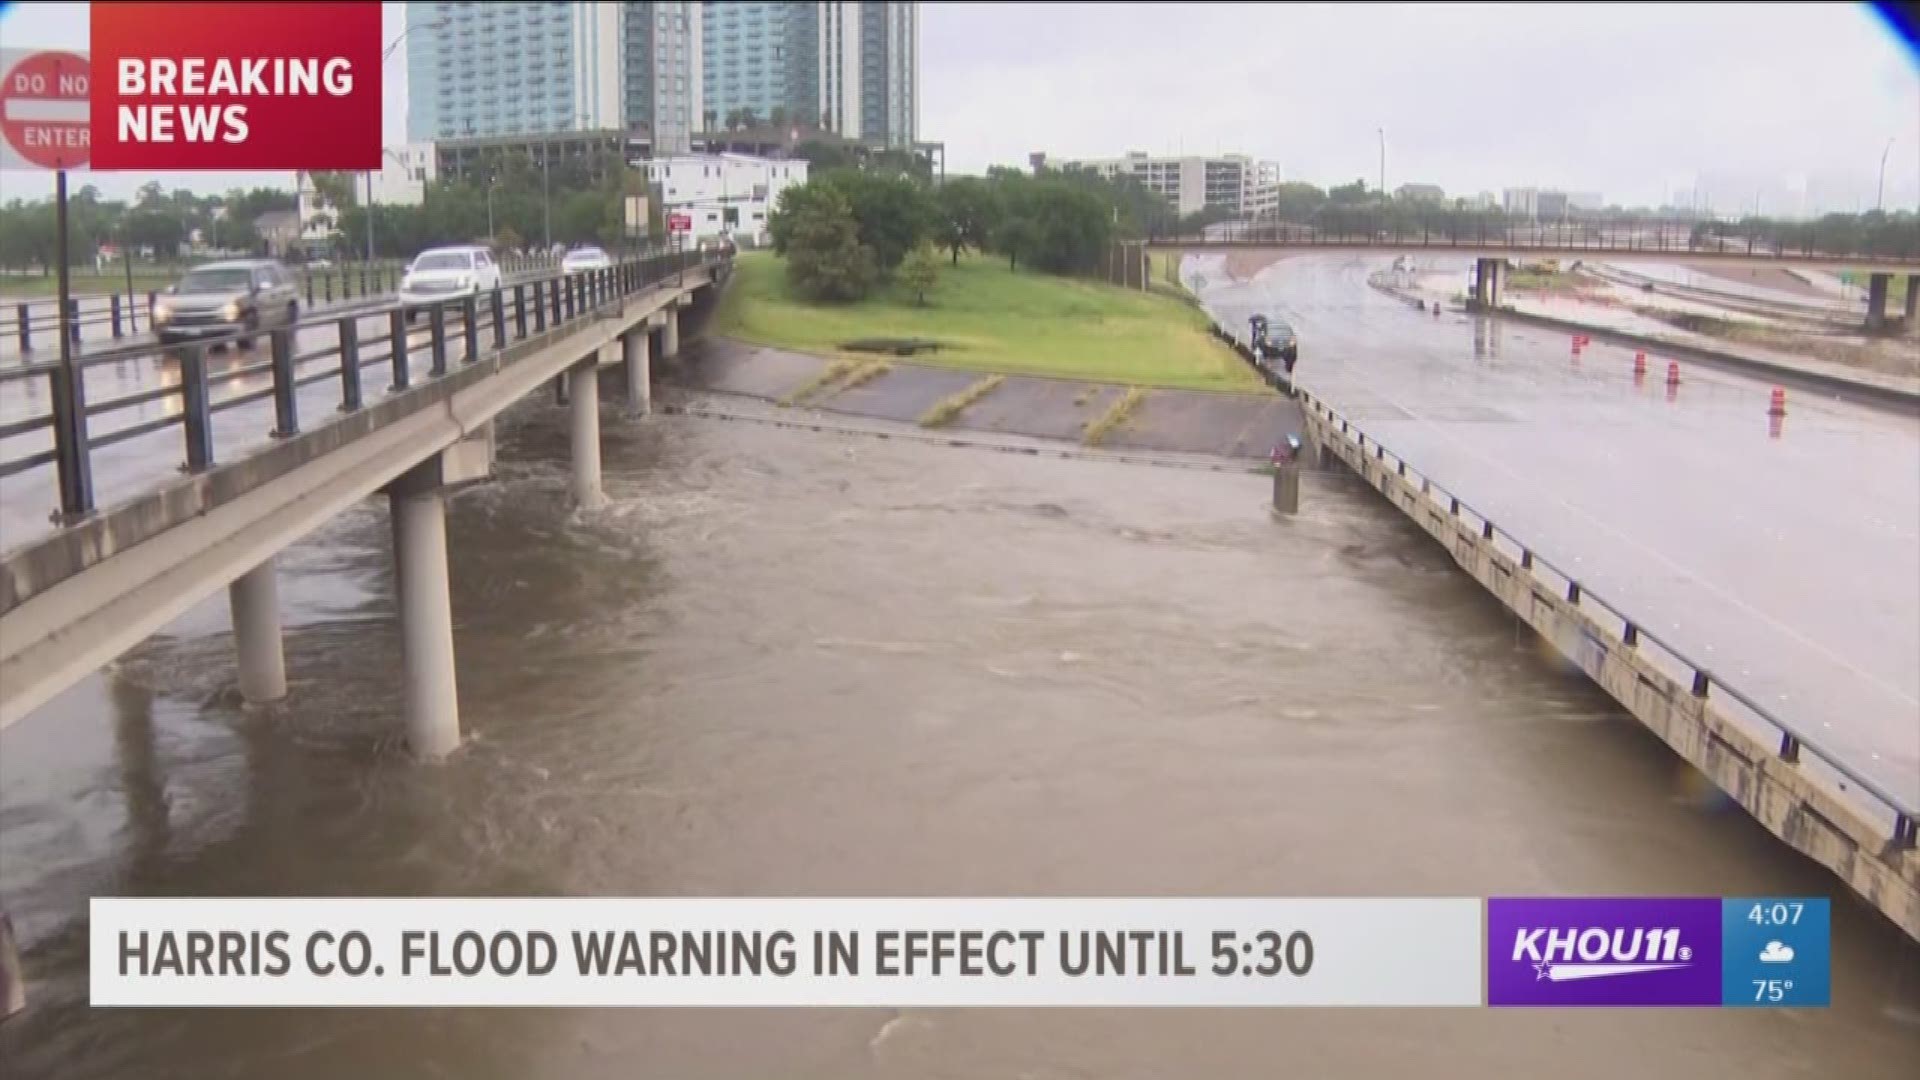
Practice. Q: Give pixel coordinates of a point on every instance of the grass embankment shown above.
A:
(989, 318)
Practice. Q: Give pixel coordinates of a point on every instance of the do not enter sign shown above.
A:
(44, 112)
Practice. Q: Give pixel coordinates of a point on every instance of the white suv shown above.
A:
(445, 274)
(585, 258)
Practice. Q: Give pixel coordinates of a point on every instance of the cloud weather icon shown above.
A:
(1776, 953)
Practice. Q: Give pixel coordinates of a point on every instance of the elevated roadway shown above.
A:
(1780, 554)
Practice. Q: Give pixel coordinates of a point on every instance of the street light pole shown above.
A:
(1383, 163)
(370, 215)
(1880, 200)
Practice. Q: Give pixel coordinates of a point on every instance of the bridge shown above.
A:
(216, 471)
(1492, 246)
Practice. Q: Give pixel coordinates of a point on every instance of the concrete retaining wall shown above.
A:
(1782, 792)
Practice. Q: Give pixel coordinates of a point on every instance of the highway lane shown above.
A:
(128, 468)
(1788, 564)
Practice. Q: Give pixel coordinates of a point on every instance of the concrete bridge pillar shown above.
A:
(1913, 303)
(670, 334)
(1878, 286)
(431, 698)
(584, 383)
(254, 599)
(636, 348)
(1486, 284)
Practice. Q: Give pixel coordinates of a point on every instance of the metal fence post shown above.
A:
(438, 320)
(329, 286)
(349, 364)
(22, 313)
(113, 306)
(75, 466)
(309, 276)
(520, 312)
(196, 413)
(397, 338)
(286, 411)
(73, 320)
(470, 323)
(363, 279)
(499, 313)
(539, 307)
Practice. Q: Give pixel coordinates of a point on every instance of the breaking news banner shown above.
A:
(883, 953)
(184, 86)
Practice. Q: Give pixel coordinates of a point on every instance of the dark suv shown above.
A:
(240, 296)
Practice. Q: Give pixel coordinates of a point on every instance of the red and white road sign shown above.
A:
(44, 112)
(679, 222)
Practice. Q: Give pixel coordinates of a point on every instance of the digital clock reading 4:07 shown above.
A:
(1778, 913)
(1266, 953)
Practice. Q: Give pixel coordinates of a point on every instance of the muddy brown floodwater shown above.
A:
(788, 663)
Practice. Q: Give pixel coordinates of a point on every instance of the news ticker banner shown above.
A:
(200, 86)
(901, 953)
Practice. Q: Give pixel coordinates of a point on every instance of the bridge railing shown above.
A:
(31, 323)
(458, 331)
(1617, 236)
(1794, 745)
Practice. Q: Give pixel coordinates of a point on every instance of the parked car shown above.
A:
(439, 275)
(585, 258)
(222, 298)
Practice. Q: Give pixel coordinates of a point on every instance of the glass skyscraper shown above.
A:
(851, 67)
(504, 68)
(663, 70)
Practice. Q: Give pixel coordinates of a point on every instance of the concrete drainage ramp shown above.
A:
(735, 367)
(904, 393)
(1040, 408)
(1199, 422)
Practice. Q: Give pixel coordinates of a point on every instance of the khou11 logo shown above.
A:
(1649, 951)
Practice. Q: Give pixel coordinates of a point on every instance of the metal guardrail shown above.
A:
(27, 321)
(508, 313)
(1628, 237)
(1793, 742)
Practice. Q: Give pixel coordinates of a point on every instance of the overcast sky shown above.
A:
(1637, 102)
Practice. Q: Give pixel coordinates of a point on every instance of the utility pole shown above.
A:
(1880, 200)
(370, 214)
(1383, 164)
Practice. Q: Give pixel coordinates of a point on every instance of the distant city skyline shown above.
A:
(1471, 97)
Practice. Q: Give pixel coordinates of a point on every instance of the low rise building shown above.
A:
(723, 194)
(1192, 183)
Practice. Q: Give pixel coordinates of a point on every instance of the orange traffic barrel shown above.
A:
(1778, 406)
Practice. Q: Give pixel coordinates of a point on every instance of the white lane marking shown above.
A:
(1657, 555)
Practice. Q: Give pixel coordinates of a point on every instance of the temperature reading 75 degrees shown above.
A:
(1774, 990)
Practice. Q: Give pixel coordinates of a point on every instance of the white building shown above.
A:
(405, 172)
(1191, 184)
(1524, 202)
(725, 194)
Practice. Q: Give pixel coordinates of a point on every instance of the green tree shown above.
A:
(826, 262)
(965, 213)
(1349, 194)
(920, 273)
(1015, 236)
(778, 117)
(1071, 228)
(337, 188)
(893, 213)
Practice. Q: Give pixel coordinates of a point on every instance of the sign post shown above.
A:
(45, 117)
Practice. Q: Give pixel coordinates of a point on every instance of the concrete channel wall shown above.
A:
(1784, 790)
